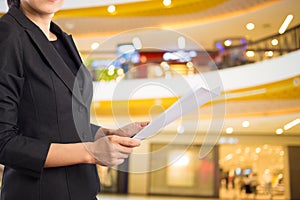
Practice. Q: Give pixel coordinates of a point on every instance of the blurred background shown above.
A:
(144, 55)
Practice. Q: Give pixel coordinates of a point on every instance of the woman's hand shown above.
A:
(112, 150)
(128, 130)
(112, 147)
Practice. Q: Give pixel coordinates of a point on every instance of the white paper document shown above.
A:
(189, 102)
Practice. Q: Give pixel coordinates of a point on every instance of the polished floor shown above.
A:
(225, 195)
(130, 197)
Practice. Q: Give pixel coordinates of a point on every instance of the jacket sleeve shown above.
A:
(22, 153)
(94, 129)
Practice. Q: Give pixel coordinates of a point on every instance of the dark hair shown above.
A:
(11, 3)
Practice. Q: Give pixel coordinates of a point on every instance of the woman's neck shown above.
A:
(43, 21)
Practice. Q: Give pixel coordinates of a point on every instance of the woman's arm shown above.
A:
(16, 151)
(68, 154)
(106, 151)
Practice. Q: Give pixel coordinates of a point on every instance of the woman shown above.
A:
(47, 144)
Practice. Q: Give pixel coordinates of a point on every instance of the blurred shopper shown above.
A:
(254, 183)
(267, 182)
(47, 144)
(250, 184)
(247, 184)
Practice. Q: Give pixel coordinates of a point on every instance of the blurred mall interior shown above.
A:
(144, 55)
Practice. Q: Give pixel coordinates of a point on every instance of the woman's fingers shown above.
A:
(112, 150)
(143, 124)
(124, 145)
(129, 142)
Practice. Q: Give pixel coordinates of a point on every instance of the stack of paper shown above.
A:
(189, 102)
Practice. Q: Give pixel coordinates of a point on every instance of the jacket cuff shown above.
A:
(26, 155)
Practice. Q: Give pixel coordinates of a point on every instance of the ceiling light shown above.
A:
(120, 72)
(181, 42)
(111, 68)
(137, 43)
(229, 157)
(229, 130)
(279, 131)
(190, 65)
(286, 23)
(95, 45)
(246, 124)
(228, 43)
(269, 53)
(291, 124)
(180, 129)
(250, 26)
(165, 65)
(111, 9)
(167, 3)
(274, 42)
(250, 54)
(111, 72)
(258, 150)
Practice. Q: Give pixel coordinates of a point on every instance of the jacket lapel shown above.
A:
(56, 63)
(68, 39)
(49, 53)
(83, 77)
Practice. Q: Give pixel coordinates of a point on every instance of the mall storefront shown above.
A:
(226, 172)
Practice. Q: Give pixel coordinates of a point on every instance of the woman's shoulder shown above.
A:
(9, 28)
(7, 23)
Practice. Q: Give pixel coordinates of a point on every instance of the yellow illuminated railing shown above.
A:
(288, 89)
(143, 8)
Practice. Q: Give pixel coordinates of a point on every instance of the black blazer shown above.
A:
(41, 102)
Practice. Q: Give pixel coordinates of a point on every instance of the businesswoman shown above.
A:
(47, 144)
